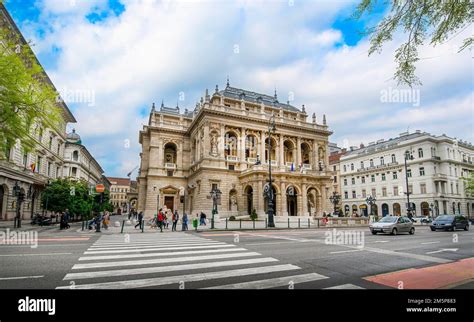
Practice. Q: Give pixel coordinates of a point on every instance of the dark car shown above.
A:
(450, 222)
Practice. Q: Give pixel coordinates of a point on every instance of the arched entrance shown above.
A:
(346, 210)
(374, 210)
(363, 210)
(233, 200)
(249, 195)
(354, 210)
(291, 200)
(312, 199)
(3, 202)
(385, 210)
(425, 209)
(396, 209)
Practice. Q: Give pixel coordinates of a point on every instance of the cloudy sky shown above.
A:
(122, 55)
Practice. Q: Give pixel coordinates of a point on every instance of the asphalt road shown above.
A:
(251, 259)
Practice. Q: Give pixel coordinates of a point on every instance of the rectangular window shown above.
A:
(345, 182)
(383, 176)
(50, 144)
(384, 192)
(395, 191)
(364, 194)
(346, 195)
(422, 188)
(374, 192)
(353, 180)
(335, 179)
(170, 173)
(410, 189)
(394, 175)
(231, 167)
(49, 169)
(372, 178)
(353, 194)
(38, 166)
(409, 173)
(422, 171)
(362, 179)
(25, 159)
(214, 186)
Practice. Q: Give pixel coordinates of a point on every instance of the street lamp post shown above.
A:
(335, 198)
(370, 201)
(215, 195)
(408, 156)
(271, 129)
(20, 198)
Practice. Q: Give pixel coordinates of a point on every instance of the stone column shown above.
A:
(315, 155)
(221, 144)
(207, 141)
(179, 152)
(160, 151)
(305, 200)
(262, 147)
(282, 151)
(324, 198)
(298, 151)
(299, 205)
(258, 197)
(284, 209)
(243, 138)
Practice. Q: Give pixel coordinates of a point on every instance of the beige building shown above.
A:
(31, 171)
(119, 188)
(185, 155)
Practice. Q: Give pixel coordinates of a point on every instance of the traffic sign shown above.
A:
(99, 188)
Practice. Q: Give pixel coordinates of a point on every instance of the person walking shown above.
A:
(140, 218)
(203, 219)
(98, 222)
(160, 220)
(165, 219)
(175, 220)
(106, 220)
(185, 222)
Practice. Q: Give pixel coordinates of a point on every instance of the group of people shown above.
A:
(161, 220)
(64, 222)
(100, 220)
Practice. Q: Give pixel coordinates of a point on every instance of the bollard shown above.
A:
(266, 223)
(226, 223)
(318, 222)
(309, 223)
(253, 224)
(123, 224)
(83, 225)
(288, 222)
(143, 225)
(240, 223)
(299, 223)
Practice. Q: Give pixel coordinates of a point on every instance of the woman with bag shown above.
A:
(106, 220)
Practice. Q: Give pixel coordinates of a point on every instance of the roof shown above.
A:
(119, 181)
(238, 93)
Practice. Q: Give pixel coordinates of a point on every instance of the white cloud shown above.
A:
(155, 49)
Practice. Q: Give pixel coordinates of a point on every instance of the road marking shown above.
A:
(444, 250)
(433, 242)
(272, 282)
(271, 243)
(148, 270)
(162, 254)
(148, 282)
(408, 255)
(154, 249)
(163, 260)
(153, 246)
(47, 254)
(346, 251)
(344, 287)
(381, 241)
(20, 277)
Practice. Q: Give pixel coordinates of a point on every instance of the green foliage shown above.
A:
(254, 215)
(27, 98)
(64, 194)
(469, 184)
(232, 218)
(437, 20)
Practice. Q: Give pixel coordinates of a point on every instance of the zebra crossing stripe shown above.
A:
(156, 245)
(140, 241)
(172, 268)
(273, 282)
(186, 252)
(344, 287)
(155, 249)
(162, 260)
(149, 282)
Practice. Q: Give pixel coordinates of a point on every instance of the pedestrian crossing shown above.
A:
(174, 260)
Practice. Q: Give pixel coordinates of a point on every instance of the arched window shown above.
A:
(371, 162)
(394, 159)
(352, 166)
(170, 153)
(382, 162)
(75, 155)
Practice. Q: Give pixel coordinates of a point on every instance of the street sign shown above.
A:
(100, 188)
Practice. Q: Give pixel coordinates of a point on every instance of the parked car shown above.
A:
(421, 219)
(393, 225)
(450, 222)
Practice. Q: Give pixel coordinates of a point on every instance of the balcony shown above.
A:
(232, 158)
(306, 166)
(170, 165)
(440, 177)
(252, 160)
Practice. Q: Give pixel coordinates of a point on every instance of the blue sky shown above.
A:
(127, 54)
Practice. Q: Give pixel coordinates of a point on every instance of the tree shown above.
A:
(28, 100)
(64, 194)
(419, 19)
(469, 184)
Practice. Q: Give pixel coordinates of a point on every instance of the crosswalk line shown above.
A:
(171, 268)
(344, 287)
(162, 260)
(140, 241)
(148, 282)
(148, 243)
(186, 252)
(272, 282)
(137, 250)
(156, 245)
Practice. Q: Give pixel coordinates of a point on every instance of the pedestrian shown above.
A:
(185, 222)
(160, 220)
(140, 218)
(175, 220)
(106, 220)
(98, 222)
(203, 219)
(165, 219)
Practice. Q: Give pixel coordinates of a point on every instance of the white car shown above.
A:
(392, 225)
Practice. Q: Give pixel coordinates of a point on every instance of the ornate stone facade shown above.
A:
(224, 143)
